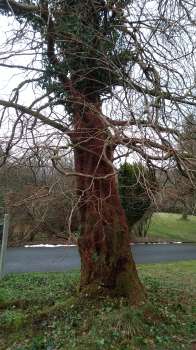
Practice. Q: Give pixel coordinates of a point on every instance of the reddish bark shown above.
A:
(106, 262)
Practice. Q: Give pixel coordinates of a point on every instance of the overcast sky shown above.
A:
(11, 77)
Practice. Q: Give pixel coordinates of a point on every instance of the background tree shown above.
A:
(185, 189)
(178, 195)
(40, 214)
(41, 201)
(137, 186)
(114, 79)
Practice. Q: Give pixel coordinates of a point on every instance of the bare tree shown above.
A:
(184, 191)
(113, 79)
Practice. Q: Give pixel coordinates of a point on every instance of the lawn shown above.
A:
(43, 311)
(171, 227)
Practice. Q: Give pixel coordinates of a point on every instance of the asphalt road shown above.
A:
(67, 258)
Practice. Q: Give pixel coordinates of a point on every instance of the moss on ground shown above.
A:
(45, 311)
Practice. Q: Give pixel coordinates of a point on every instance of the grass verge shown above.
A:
(43, 311)
(171, 227)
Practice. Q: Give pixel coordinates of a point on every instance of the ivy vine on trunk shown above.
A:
(106, 259)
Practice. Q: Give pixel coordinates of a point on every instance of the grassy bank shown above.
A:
(171, 227)
(44, 311)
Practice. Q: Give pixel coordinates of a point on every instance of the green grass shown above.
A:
(171, 227)
(44, 311)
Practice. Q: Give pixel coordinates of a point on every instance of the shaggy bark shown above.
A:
(106, 260)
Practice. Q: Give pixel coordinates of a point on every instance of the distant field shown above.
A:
(172, 227)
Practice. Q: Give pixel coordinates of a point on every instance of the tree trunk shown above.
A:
(140, 228)
(107, 265)
(184, 216)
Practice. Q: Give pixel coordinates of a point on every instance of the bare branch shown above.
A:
(36, 115)
(18, 8)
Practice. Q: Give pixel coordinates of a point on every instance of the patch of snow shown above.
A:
(49, 245)
(75, 245)
(158, 243)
